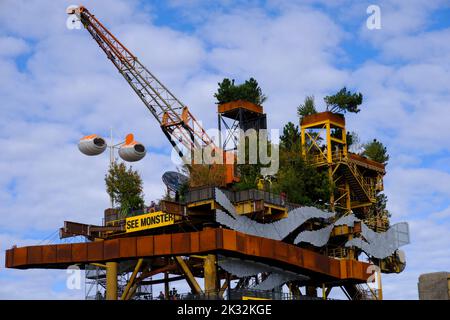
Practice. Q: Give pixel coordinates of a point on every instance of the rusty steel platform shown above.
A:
(217, 240)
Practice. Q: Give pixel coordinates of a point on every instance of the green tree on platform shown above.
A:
(124, 186)
(344, 101)
(248, 91)
(307, 108)
(376, 151)
(301, 182)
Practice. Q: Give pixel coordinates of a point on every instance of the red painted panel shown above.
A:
(195, 241)
(9, 258)
(309, 260)
(241, 242)
(111, 249)
(181, 243)
(20, 256)
(219, 238)
(95, 251)
(144, 246)
(229, 239)
(163, 244)
(79, 252)
(281, 251)
(64, 253)
(334, 268)
(128, 247)
(207, 240)
(294, 255)
(267, 247)
(322, 263)
(34, 255)
(49, 254)
(253, 246)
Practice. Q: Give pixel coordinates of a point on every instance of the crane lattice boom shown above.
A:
(176, 121)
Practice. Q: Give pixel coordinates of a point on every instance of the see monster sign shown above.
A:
(149, 221)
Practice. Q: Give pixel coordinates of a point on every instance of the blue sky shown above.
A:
(56, 86)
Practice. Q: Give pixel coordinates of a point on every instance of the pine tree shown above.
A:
(124, 186)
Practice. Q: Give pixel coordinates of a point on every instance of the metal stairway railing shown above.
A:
(365, 186)
(361, 185)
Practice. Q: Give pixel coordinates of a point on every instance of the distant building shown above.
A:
(434, 286)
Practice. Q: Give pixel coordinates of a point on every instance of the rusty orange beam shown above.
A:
(209, 240)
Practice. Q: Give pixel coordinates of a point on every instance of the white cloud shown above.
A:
(289, 57)
(407, 189)
(10, 46)
(428, 46)
(401, 18)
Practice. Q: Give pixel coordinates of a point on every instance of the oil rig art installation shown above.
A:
(230, 244)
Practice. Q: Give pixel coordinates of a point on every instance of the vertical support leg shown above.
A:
(303, 138)
(192, 282)
(166, 285)
(329, 144)
(330, 177)
(210, 273)
(380, 288)
(219, 126)
(223, 288)
(348, 201)
(228, 279)
(111, 281)
(127, 293)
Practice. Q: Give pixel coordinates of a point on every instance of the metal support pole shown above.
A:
(228, 280)
(223, 288)
(219, 126)
(126, 292)
(348, 200)
(380, 288)
(330, 177)
(303, 138)
(344, 139)
(111, 281)
(166, 285)
(189, 276)
(329, 145)
(210, 274)
(99, 265)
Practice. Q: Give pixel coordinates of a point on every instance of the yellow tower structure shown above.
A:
(355, 180)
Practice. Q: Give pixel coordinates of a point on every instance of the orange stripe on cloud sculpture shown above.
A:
(132, 150)
(92, 145)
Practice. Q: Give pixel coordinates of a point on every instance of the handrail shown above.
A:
(367, 187)
(339, 253)
(338, 156)
(367, 294)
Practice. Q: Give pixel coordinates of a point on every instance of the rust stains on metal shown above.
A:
(190, 243)
(327, 115)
